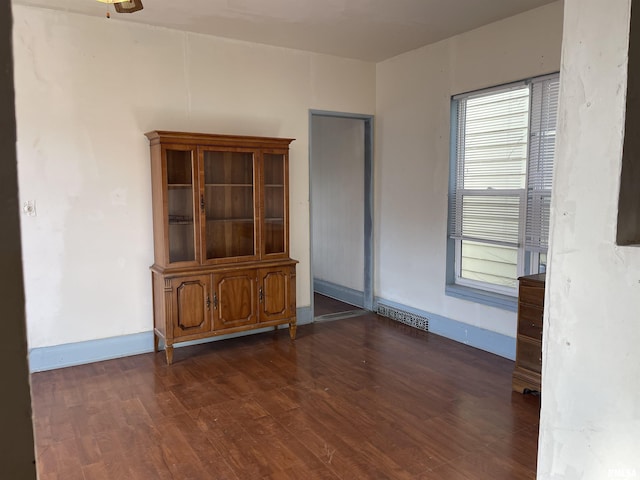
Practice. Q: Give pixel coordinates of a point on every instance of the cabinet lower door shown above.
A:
(235, 299)
(190, 305)
(274, 293)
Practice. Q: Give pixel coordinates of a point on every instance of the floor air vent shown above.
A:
(402, 316)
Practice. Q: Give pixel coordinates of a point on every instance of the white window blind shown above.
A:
(491, 168)
(544, 107)
(501, 186)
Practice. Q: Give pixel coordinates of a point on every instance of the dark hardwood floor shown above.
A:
(360, 398)
(323, 305)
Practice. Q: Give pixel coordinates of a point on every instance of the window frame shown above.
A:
(528, 260)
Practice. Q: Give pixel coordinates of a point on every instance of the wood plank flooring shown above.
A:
(361, 398)
(323, 305)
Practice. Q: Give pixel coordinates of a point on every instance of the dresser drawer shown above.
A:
(531, 294)
(530, 321)
(529, 354)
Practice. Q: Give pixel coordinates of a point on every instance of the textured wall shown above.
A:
(413, 93)
(87, 90)
(590, 419)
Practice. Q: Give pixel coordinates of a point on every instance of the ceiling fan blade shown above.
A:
(129, 6)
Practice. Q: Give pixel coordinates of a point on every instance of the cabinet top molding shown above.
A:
(209, 139)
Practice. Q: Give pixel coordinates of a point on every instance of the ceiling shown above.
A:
(371, 30)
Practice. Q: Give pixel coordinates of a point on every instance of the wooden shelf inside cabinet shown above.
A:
(228, 185)
(221, 239)
(180, 220)
(528, 369)
(227, 220)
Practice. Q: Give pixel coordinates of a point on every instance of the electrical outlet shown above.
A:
(29, 208)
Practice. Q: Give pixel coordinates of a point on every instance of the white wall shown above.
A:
(337, 200)
(590, 418)
(413, 95)
(86, 91)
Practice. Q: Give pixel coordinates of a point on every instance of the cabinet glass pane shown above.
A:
(180, 205)
(274, 203)
(229, 204)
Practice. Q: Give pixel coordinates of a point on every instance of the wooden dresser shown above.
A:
(526, 374)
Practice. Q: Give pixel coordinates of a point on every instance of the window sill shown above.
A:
(476, 295)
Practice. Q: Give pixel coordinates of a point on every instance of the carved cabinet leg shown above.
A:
(292, 331)
(168, 351)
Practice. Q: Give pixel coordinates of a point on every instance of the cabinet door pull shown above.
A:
(202, 202)
(260, 295)
(215, 301)
(208, 303)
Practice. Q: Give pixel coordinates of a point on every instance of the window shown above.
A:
(502, 167)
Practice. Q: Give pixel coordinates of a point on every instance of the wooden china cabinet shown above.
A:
(221, 236)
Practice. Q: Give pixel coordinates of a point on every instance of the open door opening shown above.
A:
(341, 214)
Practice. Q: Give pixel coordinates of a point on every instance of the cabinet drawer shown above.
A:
(530, 321)
(529, 354)
(531, 294)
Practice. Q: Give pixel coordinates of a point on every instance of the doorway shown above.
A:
(341, 198)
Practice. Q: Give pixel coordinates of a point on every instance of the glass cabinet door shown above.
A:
(274, 203)
(180, 205)
(229, 204)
